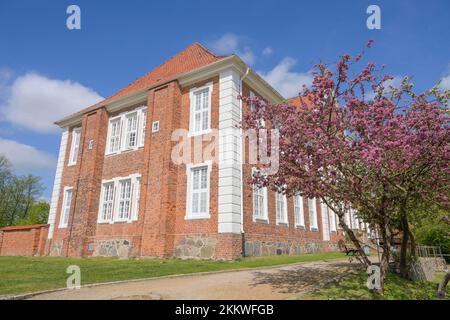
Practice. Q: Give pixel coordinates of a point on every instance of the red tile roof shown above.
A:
(193, 57)
(296, 102)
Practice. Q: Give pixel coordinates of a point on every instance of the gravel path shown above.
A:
(284, 282)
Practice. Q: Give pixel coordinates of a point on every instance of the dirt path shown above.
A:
(284, 282)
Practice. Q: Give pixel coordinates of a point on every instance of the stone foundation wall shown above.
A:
(267, 248)
(113, 248)
(195, 247)
(425, 268)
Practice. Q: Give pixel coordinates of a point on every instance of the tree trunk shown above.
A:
(384, 263)
(355, 240)
(404, 247)
(442, 286)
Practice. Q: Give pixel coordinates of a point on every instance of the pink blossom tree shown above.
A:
(357, 142)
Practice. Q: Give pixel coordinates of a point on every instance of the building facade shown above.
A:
(128, 184)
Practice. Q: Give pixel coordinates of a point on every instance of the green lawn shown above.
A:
(28, 274)
(353, 287)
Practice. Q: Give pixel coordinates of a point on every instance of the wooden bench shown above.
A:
(347, 248)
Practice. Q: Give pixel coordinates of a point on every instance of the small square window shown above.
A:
(155, 126)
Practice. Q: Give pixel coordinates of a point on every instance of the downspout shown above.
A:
(242, 148)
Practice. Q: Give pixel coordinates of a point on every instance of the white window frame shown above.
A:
(189, 169)
(130, 129)
(134, 199)
(261, 121)
(75, 146)
(141, 123)
(299, 214)
(265, 207)
(192, 111)
(101, 217)
(326, 230)
(65, 208)
(143, 127)
(333, 224)
(125, 197)
(279, 221)
(312, 211)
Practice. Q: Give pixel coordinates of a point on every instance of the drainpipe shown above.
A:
(242, 149)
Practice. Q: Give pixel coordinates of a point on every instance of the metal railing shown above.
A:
(429, 251)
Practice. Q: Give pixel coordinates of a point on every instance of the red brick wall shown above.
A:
(23, 240)
(161, 229)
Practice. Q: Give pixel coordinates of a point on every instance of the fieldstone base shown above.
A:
(195, 247)
(268, 248)
(113, 248)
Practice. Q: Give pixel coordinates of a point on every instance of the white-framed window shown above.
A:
(127, 131)
(261, 121)
(354, 219)
(198, 191)
(137, 196)
(325, 222)
(281, 208)
(124, 211)
(260, 206)
(332, 220)
(119, 199)
(114, 135)
(108, 202)
(298, 211)
(313, 224)
(65, 209)
(143, 127)
(200, 110)
(76, 133)
(131, 130)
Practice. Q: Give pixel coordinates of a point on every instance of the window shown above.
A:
(332, 220)
(137, 193)
(120, 199)
(143, 127)
(127, 131)
(281, 208)
(124, 200)
(198, 192)
(114, 135)
(200, 109)
(108, 202)
(261, 121)
(298, 211)
(325, 222)
(76, 132)
(312, 214)
(131, 130)
(155, 126)
(65, 210)
(259, 201)
(354, 219)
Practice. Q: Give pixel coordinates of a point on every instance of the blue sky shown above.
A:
(47, 70)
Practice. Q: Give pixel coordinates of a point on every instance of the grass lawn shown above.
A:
(29, 274)
(396, 288)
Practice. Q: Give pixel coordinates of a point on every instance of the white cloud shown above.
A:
(267, 51)
(35, 102)
(289, 83)
(25, 157)
(445, 81)
(230, 43)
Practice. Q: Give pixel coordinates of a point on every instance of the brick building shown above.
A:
(119, 192)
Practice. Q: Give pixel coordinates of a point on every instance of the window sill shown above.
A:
(261, 220)
(314, 229)
(300, 227)
(283, 224)
(71, 164)
(62, 227)
(202, 217)
(123, 151)
(195, 134)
